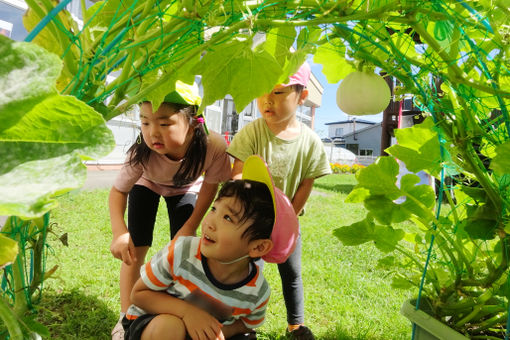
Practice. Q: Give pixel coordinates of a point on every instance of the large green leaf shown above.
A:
(27, 74)
(42, 152)
(28, 190)
(380, 178)
(305, 45)
(238, 70)
(418, 148)
(168, 75)
(279, 41)
(332, 57)
(385, 238)
(356, 233)
(58, 125)
(385, 210)
(420, 199)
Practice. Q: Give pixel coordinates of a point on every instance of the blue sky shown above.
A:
(329, 111)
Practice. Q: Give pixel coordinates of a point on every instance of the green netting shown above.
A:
(451, 56)
(30, 264)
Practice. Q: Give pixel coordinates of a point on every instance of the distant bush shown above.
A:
(344, 168)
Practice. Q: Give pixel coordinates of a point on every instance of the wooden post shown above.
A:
(387, 124)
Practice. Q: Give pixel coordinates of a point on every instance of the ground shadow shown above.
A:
(74, 315)
(340, 188)
(336, 334)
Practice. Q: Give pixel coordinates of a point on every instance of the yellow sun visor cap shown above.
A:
(184, 94)
(286, 226)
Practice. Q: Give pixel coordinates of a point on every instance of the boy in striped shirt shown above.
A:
(210, 287)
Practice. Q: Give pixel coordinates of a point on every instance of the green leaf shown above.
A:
(56, 126)
(405, 43)
(36, 327)
(8, 250)
(332, 57)
(418, 148)
(420, 198)
(385, 211)
(157, 96)
(168, 74)
(386, 262)
(27, 74)
(278, 43)
(401, 283)
(380, 178)
(237, 70)
(501, 162)
(29, 188)
(445, 32)
(481, 223)
(291, 61)
(478, 194)
(42, 152)
(357, 195)
(386, 238)
(356, 233)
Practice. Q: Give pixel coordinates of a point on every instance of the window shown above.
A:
(366, 152)
(352, 147)
(339, 132)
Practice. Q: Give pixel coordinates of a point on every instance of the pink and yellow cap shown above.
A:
(301, 77)
(286, 226)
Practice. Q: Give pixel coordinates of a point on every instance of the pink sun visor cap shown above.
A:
(286, 226)
(301, 77)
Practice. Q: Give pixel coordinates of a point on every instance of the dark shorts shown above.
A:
(134, 329)
(143, 206)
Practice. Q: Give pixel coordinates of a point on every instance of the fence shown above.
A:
(366, 160)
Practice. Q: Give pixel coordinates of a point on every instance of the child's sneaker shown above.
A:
(301, 333)
(118, 331)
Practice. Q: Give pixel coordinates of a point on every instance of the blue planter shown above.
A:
(427, 327)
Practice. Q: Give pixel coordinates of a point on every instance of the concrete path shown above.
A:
(100, 176)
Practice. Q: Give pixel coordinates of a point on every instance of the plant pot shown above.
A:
(427, 327)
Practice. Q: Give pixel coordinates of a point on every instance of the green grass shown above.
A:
(346, 297)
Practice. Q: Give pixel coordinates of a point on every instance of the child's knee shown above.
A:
(165, 326)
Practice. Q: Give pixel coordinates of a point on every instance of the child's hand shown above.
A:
(201, 325)
(122, 248)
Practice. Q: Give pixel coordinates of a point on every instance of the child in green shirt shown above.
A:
(296, 157)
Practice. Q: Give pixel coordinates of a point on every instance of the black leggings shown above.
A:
(292, 286)
(142, 209)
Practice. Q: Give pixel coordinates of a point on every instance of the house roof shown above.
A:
(362, 130)
(352, 121)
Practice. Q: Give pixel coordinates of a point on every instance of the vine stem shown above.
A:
(126, 67)
(197, 50)
(132, 70)
(10, 321)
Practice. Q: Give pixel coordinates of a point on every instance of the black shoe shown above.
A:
(301, 333)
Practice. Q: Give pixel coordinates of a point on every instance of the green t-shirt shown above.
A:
(290, 161)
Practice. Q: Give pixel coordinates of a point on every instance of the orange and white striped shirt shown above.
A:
(182, 271)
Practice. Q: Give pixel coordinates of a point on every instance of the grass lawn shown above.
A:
(346, 296)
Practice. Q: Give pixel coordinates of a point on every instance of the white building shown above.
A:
(360, 136)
